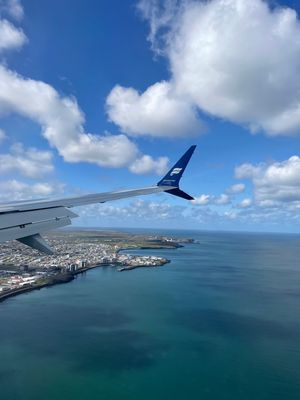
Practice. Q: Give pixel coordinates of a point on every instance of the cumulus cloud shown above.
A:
(156, 112)
(211, 217)
(142, 210)
(138, 209)
(279, 217)
(245, 203)
(231, 215)
(238, 60)
(62, 125)
(17, 190)
(31, 162)
(107, 151)
(205, 199)
(10, 36)
(222, 199)
(60, 118)
(274, 182)
(62, 122)
(202, 200)
(146, 164)
(237, 188)
(159, 15)
(276, 192)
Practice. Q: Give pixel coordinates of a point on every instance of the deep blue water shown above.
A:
(221, 321)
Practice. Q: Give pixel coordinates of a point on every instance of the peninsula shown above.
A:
(23, 269)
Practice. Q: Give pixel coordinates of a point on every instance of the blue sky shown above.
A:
(101, 95)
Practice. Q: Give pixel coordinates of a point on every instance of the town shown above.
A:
(23, 269)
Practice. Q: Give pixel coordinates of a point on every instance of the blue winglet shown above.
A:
(172, 178)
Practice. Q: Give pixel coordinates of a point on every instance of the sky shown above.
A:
(101, 95)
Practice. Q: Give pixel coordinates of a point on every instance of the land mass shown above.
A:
(23, 269)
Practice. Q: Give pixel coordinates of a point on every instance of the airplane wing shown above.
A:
(26, 220)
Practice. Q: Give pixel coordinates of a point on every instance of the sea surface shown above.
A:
(221, 321)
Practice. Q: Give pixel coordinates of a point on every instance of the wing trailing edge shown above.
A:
(26, 220)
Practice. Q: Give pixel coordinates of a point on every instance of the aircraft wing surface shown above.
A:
(26, 220)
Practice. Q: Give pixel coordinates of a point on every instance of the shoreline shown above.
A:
(66, 278)
(60, 279)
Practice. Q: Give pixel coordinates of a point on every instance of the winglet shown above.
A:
(172, 178)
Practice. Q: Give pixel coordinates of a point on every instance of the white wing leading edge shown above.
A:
(26, 220)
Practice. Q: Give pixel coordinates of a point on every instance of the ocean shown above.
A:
(221, 321)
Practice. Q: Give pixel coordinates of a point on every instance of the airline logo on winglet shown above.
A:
(175, 171)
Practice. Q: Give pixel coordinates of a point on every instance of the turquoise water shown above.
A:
(221, 321)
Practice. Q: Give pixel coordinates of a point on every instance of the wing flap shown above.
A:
(17, 232)
(9, 220)
(37, 242)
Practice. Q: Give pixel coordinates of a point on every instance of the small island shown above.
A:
(23, 269)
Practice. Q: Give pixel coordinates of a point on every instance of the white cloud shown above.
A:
(107, 151)
(146, 164)
(237, 188)
(138, 209)
(13, 8)
(231, 215)
(62, 125)
(62, 122)
(202, 200)
(60, 118)
(234, 59)
(275, 182)
(17, 190)
(222, 199)
(282, 216)
(31, 163)
(156, 112)
(205, 199)
(2, 135)
(245, 203)
(10, 36)
(160, 15)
